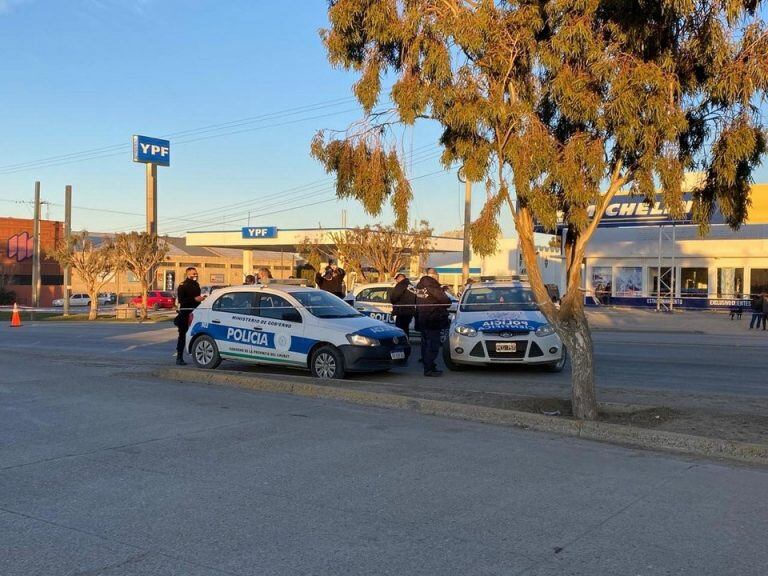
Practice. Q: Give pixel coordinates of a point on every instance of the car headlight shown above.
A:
(545, 330)
(360, 340)
(465, 330)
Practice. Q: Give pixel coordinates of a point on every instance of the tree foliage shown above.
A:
(140, 253)
(94, 262)
(557, 105)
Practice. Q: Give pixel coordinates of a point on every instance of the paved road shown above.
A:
(105, 472)
(690, 363)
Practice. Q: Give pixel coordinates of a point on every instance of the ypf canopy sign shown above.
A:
(260, 232)
(151, 150)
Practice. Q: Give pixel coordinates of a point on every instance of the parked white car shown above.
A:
(81, 300)
(500, 323)
(291, 326)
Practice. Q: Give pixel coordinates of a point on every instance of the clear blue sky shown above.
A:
(87, 74)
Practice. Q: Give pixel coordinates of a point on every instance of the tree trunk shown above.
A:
(575, 333)
(143, 313)
(94, 308)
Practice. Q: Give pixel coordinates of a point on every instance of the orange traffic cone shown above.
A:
(15, 317)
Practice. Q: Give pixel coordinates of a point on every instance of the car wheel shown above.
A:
(559, 365)
(449, 363)
(327, 362)
(205, 353)
(155, 307)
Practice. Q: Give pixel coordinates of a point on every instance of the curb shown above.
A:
(598, 431)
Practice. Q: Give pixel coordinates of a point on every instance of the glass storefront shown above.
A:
(694, 281)
(602, 283)
(629, 281)
(730, 282)
(667, 281)
(759, 281)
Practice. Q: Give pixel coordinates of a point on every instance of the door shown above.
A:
(231, 324)
(283, 325)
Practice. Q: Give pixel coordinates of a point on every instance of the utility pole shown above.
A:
(36, 251)
(467, 254)
(152, 198)
(67, 236)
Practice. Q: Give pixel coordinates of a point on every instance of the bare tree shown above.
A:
(94, 263)
(383, 248)
(140, 253)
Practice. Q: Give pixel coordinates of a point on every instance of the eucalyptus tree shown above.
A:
(557, 105)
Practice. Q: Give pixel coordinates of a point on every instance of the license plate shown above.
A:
(506, 347)
(397, 355)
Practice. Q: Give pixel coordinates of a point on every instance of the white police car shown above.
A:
(291, 326)
(500, 323)
(373, 300)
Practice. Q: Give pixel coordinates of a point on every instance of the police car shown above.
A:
(500, 323)
(291, 326)
(373, 300)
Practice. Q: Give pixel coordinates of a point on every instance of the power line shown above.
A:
(193, 131)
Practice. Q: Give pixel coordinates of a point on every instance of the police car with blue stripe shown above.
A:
(500, 323)
(291, 326)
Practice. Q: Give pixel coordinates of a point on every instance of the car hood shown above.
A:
(363, 325)
(502, 321)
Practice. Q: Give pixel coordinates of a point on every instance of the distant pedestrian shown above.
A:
(757, 311)
(250, 279)
(332, 280)
(189, 298)
(264, 275)
(432, 316)
(765, 310)
(403, 300)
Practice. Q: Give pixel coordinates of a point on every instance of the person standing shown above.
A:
(264, 275)
(757, 311)
(332, 280)
(432, 316)
(403, 300)
(189, 298)
(765, 309)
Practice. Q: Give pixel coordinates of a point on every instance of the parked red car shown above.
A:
(157, 299)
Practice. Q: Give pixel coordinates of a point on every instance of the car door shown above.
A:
(231, 324)
(374, 302)
(284, 326)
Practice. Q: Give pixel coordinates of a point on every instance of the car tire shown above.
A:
(449, 363)
(559, 365)
(155, 307)
(205, 353)
(327, 362)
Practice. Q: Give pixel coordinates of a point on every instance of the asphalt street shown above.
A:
(687, 362)
(107, 472)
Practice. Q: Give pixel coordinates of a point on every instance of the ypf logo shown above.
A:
(20, 246)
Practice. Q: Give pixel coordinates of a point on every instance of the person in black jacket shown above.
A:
(189, 298)
(432, 316)
(403, 300)
(757, 311)
(332, 280)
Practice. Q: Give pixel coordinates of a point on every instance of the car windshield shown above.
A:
(325, 305)
(498, 299)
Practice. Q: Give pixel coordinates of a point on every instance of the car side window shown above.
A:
(277, 308)
(374, 295)
(236, 302)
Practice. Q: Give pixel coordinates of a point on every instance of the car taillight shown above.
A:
(191, 318)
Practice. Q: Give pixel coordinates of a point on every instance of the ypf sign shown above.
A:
(151, 150)
(260, 232)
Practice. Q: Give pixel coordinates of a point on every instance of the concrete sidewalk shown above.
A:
(682, 321)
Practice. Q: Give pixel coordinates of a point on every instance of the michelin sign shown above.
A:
(151, 150)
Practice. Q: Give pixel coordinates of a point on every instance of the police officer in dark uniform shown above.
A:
(189, 298)
(403, 300)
